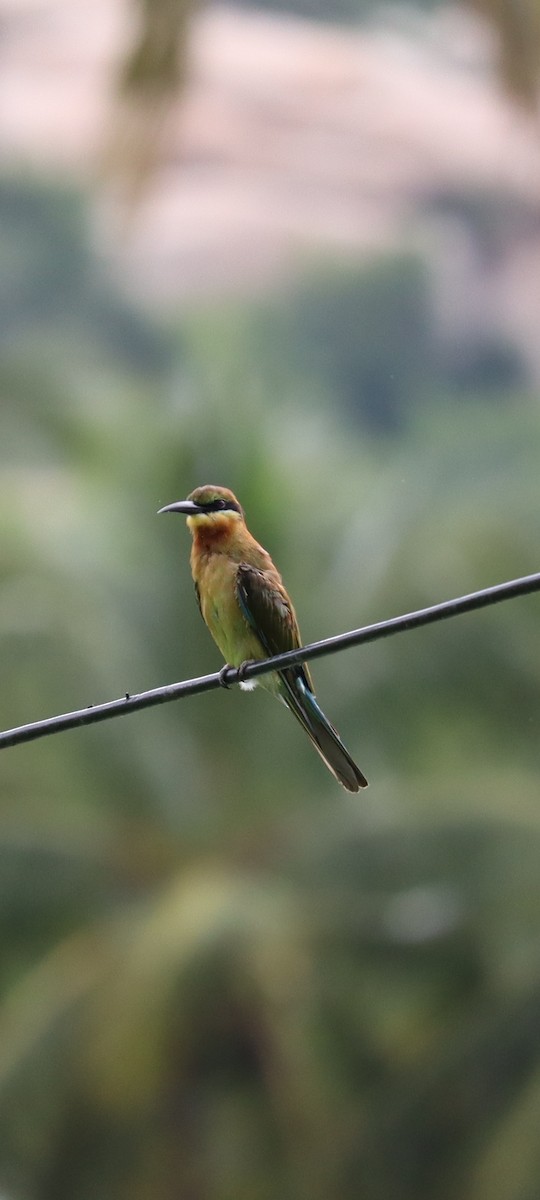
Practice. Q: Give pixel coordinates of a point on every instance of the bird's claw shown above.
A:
(240, 673)
(222, 676)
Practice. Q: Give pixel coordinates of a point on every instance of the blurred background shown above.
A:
(295, 252)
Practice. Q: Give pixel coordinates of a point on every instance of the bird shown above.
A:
(243, 601)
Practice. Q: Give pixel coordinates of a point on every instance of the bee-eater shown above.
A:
(250, 616)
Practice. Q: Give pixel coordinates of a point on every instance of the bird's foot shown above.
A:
(240, 673)
(224, 682)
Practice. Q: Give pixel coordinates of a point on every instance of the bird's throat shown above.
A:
(211, 538)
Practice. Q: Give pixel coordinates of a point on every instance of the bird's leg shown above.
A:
(248, 662)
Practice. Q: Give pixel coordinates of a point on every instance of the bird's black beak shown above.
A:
(182, 506)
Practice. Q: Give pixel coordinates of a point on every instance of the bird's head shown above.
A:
(209, 508)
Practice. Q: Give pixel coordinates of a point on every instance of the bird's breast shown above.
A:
(215, 577)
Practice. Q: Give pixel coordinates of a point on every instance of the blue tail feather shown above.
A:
(304, 704)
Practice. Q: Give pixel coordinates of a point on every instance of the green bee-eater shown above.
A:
(250, 616)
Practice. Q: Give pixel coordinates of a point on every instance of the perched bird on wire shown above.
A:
(250, 616)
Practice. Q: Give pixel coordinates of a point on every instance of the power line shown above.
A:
(229, 676)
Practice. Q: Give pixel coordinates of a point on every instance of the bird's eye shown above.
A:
(218, 505)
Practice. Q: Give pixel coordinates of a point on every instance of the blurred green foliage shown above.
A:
(366, 336)
(221, 976)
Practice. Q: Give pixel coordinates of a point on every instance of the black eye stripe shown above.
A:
(221, 506)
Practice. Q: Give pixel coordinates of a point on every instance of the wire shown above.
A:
(231, 675)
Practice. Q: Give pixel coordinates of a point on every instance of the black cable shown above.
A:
(189, 687)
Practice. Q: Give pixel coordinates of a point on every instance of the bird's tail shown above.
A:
(302, 702)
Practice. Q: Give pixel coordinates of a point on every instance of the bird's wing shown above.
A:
(268, 610)
(198, 595)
